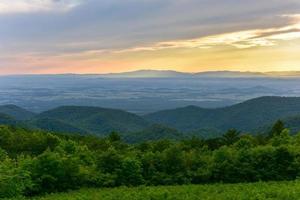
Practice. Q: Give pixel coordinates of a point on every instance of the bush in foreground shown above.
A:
(48, 163)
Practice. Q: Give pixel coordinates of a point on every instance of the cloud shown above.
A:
(239, 39)
(27, 6)
(115, 24)
(52, 29)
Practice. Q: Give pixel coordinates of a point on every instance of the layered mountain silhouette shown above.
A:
(165, 74)
(248, 116)
(16, 112)
(95, 120)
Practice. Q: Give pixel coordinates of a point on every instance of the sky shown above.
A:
(103, 36)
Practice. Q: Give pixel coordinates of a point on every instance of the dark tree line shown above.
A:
(33, 162)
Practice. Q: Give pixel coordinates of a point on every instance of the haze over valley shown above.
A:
(145, 91)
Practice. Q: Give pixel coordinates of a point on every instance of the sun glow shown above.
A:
(67, 39)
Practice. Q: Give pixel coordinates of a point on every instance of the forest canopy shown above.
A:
(37, 162)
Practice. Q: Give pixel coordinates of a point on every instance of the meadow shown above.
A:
(244, 191)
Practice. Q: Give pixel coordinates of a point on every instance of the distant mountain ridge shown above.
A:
(249, 116)
(287, 74)
(16, 112)
(229, 74)
(148, 73)
(206, 74)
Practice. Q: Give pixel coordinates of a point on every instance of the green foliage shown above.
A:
(245, 191)
(14, 180)
(230, 137)
(34, 162)
(51, 172)
(3, 155)
(131, 172)
(18, 140)
(154, 132)
(114, 137)
(277, 128)
(282, 138)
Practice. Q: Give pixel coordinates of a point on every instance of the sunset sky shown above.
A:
(100, 36)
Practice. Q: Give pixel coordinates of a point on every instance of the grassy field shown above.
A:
(255, 191)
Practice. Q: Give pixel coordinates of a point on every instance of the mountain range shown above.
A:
(249, 116)
(207, 74)
(174, 74)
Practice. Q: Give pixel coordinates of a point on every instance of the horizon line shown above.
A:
(154, 70)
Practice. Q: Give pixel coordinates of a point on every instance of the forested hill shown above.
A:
(16, 112)
(250, 116)
(95, 120)
(247, 116)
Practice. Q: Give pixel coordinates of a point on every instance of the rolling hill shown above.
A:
(16, 112)
(99, 121)
(246, 116)
(250, 116)
(55, 125)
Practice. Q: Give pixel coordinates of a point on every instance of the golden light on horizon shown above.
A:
(273, 47)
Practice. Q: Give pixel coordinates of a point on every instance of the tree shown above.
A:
(283, 139)
(245, 142)
(13, 179)
(131, 172)
(284, 164)
(214, 143)
(174, 166)
(277, 128)
(224, 165)
(109, 161)
(114, 137)
(231, 136)
(53, 172)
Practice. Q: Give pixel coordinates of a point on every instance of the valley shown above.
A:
(141, 94)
